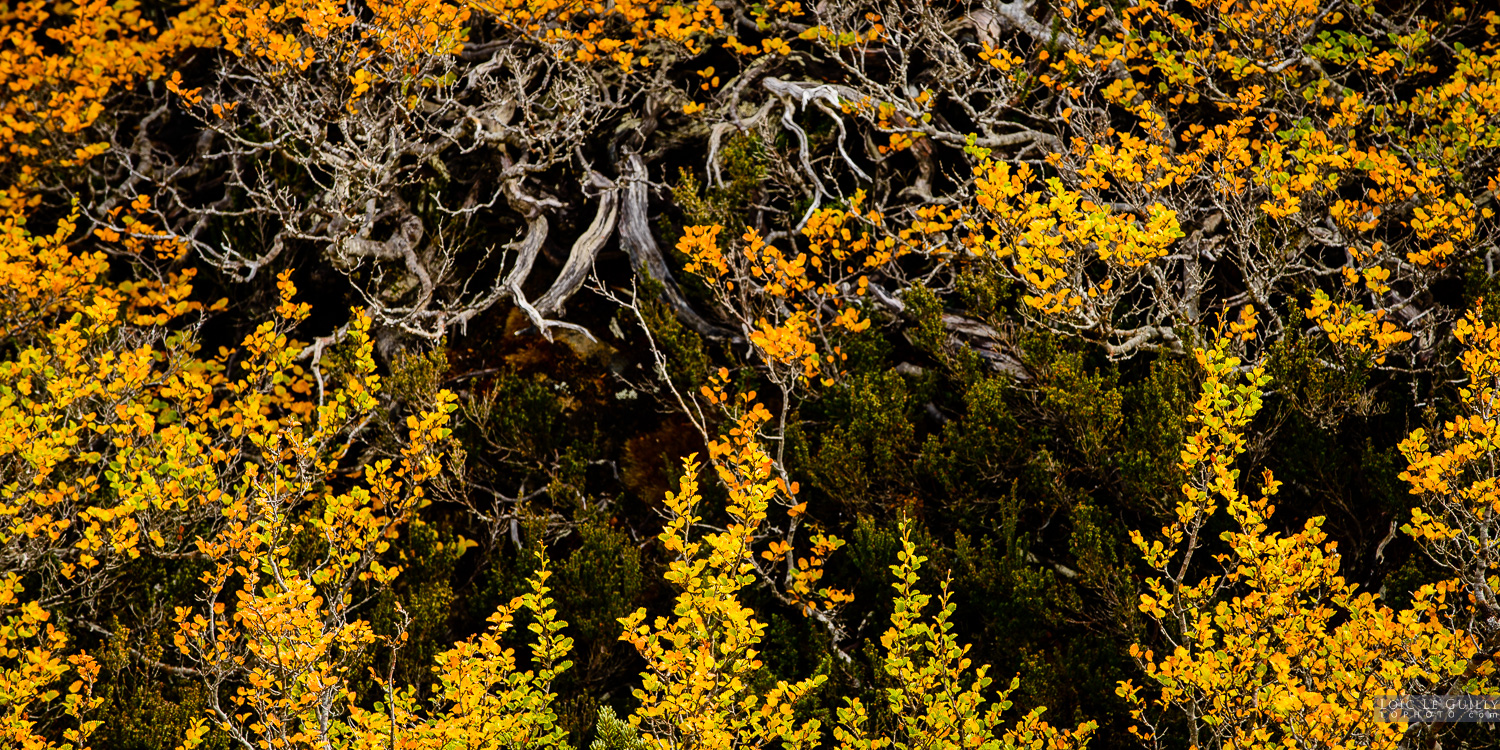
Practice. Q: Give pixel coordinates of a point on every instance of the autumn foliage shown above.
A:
(716, 375)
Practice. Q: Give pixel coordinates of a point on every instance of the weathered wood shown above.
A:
(645, 254)
(537, 229)
(581, 258)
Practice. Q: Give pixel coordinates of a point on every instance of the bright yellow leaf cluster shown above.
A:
(1349, 324)
(32, 667)
(936, 700)
(281, 625)
(60, 61)
(1070, 253)
(484, 700)
(118, 442)
(1455, 473)
(702, 663)
(1278, 649)
(787, 304)
(104, 412)
(625, 33)
(298, 33)
(1318, 171)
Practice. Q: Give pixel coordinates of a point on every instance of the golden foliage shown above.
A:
(119, 440)
(1278, 649)
(1455, 475)
(702, 664)
(60, 62)
(787, 304)
(936, 700)
(32, 668)
(484, 701)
